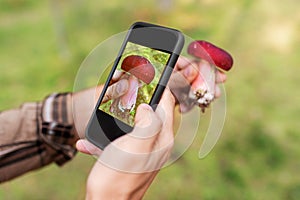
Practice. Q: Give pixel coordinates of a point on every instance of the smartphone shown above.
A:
(146, 59)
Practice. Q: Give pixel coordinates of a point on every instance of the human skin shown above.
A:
(184, 74)
(109, 179)
(112, 182)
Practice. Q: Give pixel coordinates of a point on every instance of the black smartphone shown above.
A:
(146, 59)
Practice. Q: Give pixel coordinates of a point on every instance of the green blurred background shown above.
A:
(42, 44)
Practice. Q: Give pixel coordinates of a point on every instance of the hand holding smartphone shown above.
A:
(146, 60)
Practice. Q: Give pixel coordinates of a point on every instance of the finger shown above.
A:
(116, 90)
(184, 78)
(190, 72)
(165, 111)
(182, 62)
(136, 154)
(147, 123)
(166, 105)
(186, 107)
(220, 77)
(86, 147)
(144, 134)
(177, 81)
(146, 117)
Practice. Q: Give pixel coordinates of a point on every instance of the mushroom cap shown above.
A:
(211, 53)
(140, 67)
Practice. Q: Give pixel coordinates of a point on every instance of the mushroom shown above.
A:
(138, 69)
(213, 57)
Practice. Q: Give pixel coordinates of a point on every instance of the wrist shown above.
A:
(122, 185)
(57, 129)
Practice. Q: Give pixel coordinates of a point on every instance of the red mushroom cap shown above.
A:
(140, 67)
(211, 53)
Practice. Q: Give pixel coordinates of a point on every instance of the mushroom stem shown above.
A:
(202, 88)
(211, 57)
(128, 100)
(209, 72)
(139, 70)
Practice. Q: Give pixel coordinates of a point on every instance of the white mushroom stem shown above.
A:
(203, 87)
(128, 100)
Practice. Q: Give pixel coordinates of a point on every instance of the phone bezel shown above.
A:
(104, 128)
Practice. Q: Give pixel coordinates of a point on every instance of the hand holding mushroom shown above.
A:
(194, 82)
(129, 162)
(187, 84)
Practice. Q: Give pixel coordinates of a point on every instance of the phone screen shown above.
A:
(142, 67)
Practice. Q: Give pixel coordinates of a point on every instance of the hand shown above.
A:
(127, 166)
(83, 102)
(185, 74)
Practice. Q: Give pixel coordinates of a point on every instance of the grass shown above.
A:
(257, 156)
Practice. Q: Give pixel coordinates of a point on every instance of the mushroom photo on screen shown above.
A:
(138, 71)
(142, 67)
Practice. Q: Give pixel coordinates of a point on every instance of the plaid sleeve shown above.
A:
(36, 135)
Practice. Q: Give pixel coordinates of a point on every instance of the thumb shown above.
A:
(147, 122)
(145, 132)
